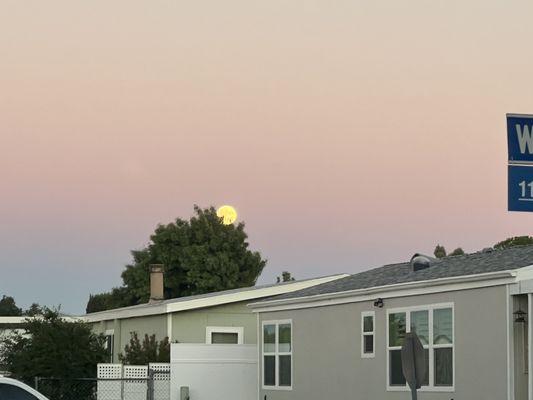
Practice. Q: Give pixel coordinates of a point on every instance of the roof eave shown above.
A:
(212, 301)
(381, 290)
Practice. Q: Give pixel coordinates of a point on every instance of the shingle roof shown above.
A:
(469, 264)
(208, 299)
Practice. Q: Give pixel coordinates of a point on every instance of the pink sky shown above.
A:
(348, 134)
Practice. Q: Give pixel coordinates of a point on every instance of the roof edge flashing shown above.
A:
(388, 288)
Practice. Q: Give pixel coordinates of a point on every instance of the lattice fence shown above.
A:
(133, 382)
(109, 381)
(160, 374)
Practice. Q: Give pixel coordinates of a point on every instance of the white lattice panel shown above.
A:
(109, 371)
(160, 373)
(109, 389)
(135, 382)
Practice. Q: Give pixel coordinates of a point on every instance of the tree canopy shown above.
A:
(286, 276)
(514, 241)
(34, 310)
(53, 347)
(200, 255)
(457, 252)
(440, 251)
(8, 307)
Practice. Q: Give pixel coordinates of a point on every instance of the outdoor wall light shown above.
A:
(378, 303)
(520, 316)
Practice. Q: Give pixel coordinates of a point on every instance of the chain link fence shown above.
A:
(155, 387)
(60, 389)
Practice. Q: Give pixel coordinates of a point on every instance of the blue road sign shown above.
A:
(520, 137)
(520, 179)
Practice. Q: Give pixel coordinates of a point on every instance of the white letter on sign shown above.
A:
(525, 138)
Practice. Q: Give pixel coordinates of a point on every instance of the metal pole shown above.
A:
(150, 385)
(529, 344)
(413, 388)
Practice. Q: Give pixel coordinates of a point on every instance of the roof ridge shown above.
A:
(476, 263)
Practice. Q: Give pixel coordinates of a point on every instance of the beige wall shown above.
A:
(190, 326)
(187, 326)
(122, 328)
(327, 349)
(520, 348)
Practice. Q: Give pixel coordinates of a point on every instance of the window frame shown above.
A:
(276, 354)
(430, 308)
(209, 330)
(363, 334)
(110, 333)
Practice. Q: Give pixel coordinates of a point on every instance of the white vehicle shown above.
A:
(11, 389)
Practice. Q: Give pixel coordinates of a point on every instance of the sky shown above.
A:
(348, 134)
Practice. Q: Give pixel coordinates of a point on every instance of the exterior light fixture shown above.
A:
(378, 303)
(520, 316)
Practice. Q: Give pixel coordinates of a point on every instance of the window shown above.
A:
(224, 335)
(368, 334)
(277, 355)
(13, 392)
(110, 344)
(434, 326)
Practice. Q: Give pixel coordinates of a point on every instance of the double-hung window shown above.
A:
(368, 334)
(277, 354)
(434, 326)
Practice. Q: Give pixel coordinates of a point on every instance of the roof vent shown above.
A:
(420, 262)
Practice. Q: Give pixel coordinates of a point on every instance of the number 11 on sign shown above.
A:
(520, 188)
(527, 195)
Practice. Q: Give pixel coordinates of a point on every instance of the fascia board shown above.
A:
(126, 313)
(396, 290)
(166, 308)
(248, 295)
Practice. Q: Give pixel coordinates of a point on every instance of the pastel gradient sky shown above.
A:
(348, 133)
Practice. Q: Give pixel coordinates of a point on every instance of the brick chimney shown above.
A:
(156, 282)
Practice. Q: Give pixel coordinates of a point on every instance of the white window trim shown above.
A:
(407, 311)
(363, 334)
(209, 330)
(276, 355)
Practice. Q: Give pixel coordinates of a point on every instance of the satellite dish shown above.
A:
(228, 214)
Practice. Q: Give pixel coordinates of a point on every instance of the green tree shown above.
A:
(514, 241)
(34, 310)
(440, 251)
(200, 255)
(118, 297)
(8, 307)
(457, 252)
(145, 352)
(285, 277)
(54, 347)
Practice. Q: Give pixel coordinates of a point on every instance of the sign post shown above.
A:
(520, 162)
(414, 363)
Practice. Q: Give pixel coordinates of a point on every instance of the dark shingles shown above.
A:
(469, 264)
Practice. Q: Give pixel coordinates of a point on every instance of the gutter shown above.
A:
(386, 289)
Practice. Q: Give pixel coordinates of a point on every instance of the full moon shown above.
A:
(228, 214)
